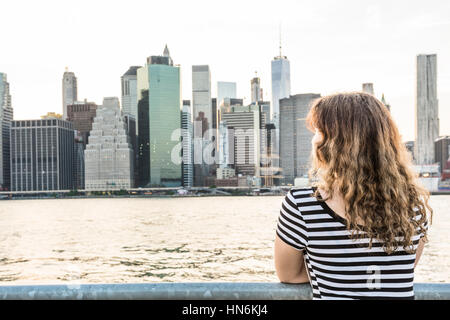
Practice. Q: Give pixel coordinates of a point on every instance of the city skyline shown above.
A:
(371, 41)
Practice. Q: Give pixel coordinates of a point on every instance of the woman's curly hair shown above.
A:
(363, 157)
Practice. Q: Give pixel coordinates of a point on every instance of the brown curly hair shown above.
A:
(363, 157)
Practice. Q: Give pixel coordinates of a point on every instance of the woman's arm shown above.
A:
(289, 263)
(419, 251)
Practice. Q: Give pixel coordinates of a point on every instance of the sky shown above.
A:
(332, 45)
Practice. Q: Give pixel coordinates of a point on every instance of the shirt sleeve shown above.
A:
(291, 227)
(424, 224)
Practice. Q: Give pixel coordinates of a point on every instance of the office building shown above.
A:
(143, 139)
(426, 110)
(368, 88)
(225, 146)
(225, 90)
(109, 158)
(129, 91)
(256, 91)
(228, 105)
(204, 134)
(281, 84)
(270, 170)
(69, 91)
(130, 128)
(42, 155)
(6, 116)
(245, 125)
(225, 173)
(159, 122)
(82, 114)
(295, 138)
(410, 148)
(52, 115)
(78, 162)
(388, 106)
(442, 152)
(187, 145)
(214, 113)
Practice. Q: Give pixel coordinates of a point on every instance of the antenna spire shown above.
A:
(280, 40)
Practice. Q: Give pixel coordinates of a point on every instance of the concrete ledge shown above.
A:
(188, 291)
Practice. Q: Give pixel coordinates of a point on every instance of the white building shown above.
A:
(69, 90)
(109, 155)
(368, 88)
(245, 124)
(226, 143)
(225, 173)
(129, 91)
(429, 176)
(426, 111)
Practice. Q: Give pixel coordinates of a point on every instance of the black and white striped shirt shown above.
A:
(340, 267)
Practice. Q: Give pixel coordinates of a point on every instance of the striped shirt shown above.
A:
(340, 267)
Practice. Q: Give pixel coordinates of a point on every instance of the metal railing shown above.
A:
(188, 291)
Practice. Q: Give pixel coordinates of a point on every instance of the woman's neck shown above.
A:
(337, 204)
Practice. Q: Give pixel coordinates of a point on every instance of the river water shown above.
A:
(134, 240)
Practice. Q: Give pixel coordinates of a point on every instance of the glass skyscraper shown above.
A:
(159, 122)
(203, 117)
(281, 84)
(225, 90)
(187, 144)
(6, 116)
(295, 138)
(129, 91)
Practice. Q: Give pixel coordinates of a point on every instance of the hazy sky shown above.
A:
(332, 46)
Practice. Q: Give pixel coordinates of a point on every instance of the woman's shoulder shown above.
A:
(302, 190)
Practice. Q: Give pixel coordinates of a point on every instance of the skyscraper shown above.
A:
(255, 90)
(159, 122)
(244, 122)
(295, 138)
(388, 106)
(368, 88)
(109, 158)
(281, 84)
(69, 91)
(129, 91)
(130, 129)
(203, 123)
(225, 90)
(6, 116)
(82, 114)
(187, 145)
(426, 110)
(42, 155)
(78, 172)
(442, 152)
(225, 146)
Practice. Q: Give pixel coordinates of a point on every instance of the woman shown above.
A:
(359, 231)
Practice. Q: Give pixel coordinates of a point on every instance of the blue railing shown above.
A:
(188, 291)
